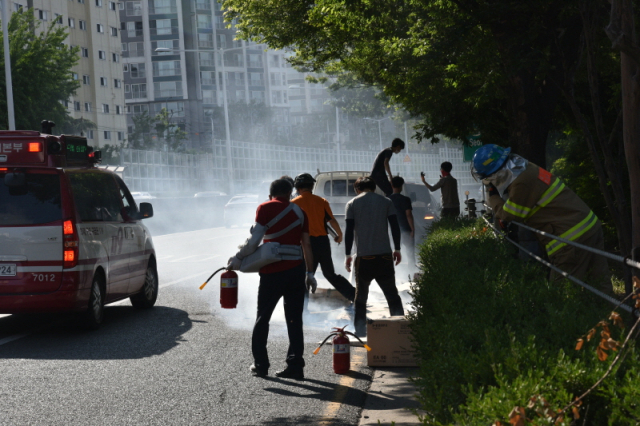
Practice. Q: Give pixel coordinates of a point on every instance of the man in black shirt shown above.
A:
(381, 166)
(404, 212)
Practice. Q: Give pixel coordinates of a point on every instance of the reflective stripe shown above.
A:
(573, 233)
(554, 190)
(515, 209)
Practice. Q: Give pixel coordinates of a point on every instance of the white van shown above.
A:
(71, 236)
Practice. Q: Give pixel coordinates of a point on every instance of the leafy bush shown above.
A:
(491, 332)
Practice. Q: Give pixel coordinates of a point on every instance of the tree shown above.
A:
(41, 72)
(141, 137)
(156, 132)
(465, 66)
(172, 135)
(621, 30)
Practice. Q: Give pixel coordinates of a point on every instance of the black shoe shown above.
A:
(291, 373)
(258, 372)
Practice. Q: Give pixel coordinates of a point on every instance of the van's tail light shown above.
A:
(35, 146)
(429, 217)
(70, 245)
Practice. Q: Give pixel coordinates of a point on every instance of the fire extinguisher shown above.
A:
(341, 349)
(228, 288)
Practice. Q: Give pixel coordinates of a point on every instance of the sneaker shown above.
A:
(258, 372)
(291, 373)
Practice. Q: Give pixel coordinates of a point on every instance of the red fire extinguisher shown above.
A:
(341, 349)
(228, 288)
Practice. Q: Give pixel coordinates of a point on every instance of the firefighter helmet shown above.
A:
(487, 160)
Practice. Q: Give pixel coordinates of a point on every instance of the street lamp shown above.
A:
(379, 130)
(7, 64)
(224, 102)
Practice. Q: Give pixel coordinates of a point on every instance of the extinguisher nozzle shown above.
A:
(202, 286)
(367, 347)
(317, 350)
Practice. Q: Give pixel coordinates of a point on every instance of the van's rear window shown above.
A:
(35, 202)
(340, 188)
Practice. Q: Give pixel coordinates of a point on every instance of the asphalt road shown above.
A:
(185, 362)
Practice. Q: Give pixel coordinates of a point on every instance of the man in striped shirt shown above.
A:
(520, 191)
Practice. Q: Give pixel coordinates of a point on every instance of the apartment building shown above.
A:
(186, 75)
(93, 25)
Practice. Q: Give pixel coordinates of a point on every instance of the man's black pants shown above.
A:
(382, 181)
(379, 268)
(290, 285)
(321, 249)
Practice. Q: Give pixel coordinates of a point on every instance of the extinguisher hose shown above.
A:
(323, 342)
(363, 343)
(209, 279)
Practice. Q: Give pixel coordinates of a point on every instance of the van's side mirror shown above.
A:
(146, 210)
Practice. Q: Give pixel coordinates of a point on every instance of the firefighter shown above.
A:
(319, 213)
(521, 191)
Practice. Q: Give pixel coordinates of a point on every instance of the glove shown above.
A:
(234, 264)
(311, 282)
(492, 190)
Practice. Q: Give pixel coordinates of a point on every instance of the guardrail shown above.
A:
(624, 260)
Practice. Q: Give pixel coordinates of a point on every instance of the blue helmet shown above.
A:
(488, 159)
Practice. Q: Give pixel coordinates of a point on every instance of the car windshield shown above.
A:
(244, 199)
(36, 202)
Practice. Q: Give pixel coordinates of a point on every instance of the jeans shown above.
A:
(321, 249)
(382, 181)
(379, 268)
(290, 285)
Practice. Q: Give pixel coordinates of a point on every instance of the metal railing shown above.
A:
(565, 274)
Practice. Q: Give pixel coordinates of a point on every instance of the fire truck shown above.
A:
(71, 234)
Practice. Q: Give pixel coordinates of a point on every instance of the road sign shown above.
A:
(474, 144)
(407, 159)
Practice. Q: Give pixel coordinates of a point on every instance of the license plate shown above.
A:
(8, 270)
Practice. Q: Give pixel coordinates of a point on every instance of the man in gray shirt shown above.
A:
(449, 187)
(368, 216)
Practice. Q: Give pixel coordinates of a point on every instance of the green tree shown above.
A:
(465, 66)
(156, 132)
(41, 72)
(142, 137)
(171, 134)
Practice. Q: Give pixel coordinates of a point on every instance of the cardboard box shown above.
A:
(390, 342)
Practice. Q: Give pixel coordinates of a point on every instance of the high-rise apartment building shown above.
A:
(93, 26)
(186, 75)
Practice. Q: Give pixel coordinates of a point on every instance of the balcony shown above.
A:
(203, 6)
(167, 72)
(162, 10)
(136, 95)
(169, 93)
(210, 101)
(209, 81)
(164, 31)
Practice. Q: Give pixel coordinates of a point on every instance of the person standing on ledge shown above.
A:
(381, 172)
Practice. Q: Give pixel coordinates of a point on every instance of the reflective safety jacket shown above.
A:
(542, 201)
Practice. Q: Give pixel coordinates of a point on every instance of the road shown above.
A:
(184, 362)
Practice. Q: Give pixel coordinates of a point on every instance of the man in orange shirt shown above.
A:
(319, 213)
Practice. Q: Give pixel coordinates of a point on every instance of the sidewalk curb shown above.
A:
(391, 398)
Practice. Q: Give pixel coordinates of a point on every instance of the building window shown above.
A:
(112, 5)
(42, 15)
(87, 106)
(81, 1)
(72, 23)
(138, 70)
(137, 91)
(115, 57)
(125, 68)
(166, 68)
(162, 27)
(102, 54)
(121, 5)
(85, 52)
(166, 89)
(255, 79)
(86, 79)
(100, 28)
(76, 105)
(257, 96)
(166, 44)
(107, 135)
(118, 109)
(58, 19)
(103, 82)
(117, 83)
(114, 31)
(89, 134)
(222, 41)
(134, 29)
(134, 8)
(74, 75)
(82, 24)
(136, 49)
(98, 3)
(105, 108)
(120, 136)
